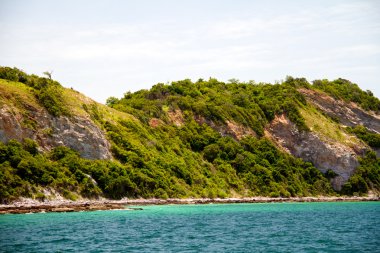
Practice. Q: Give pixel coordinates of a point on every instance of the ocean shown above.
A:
(261, 227)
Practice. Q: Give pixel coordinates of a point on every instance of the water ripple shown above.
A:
(279, 227)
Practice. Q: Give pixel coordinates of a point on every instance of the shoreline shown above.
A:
(33, 206)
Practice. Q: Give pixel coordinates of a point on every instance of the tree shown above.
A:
(48, 74)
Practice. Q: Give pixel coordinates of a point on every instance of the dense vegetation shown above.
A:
(249, 104)
(350, 92)
(372, 139)
(366, 177)
(223, 167)
(156, 157)
(47, 91)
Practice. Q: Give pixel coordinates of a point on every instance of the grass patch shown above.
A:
(17, 95)
(326, 127)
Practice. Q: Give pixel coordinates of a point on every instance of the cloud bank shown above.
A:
(108, 58)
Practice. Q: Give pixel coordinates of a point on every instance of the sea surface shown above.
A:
(269, 227)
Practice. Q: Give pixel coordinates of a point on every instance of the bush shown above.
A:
(51, 98)
(350, 92)
(47, 91)
(372, 139)
(366, 177)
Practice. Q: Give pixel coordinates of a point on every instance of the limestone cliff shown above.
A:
(78, 133)
(229, 128)
(21, 116)
(86, 125)
(348, 114)
(327, 145)
(318, 146)
(311, 147)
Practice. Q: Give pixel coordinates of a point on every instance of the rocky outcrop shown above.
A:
(155, 122)
(78, 133)
(310, 147)
(348, 114)
(230, 128)
(64, 207)
(176, 117)
(33, 206)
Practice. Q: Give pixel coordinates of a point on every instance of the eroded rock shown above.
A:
(324, 155)
(176, 117)
(230, 128)
(348, 114)
(78, 133)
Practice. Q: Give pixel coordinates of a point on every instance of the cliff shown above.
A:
(325, 154)
(203, 139)
(348, 114)
(22, 117)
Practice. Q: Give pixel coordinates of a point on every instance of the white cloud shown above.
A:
(312, 42)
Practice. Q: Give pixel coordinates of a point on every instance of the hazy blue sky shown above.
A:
(105, 48)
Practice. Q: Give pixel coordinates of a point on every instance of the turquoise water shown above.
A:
(269, 227)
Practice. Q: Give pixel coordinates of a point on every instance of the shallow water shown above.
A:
(269, 227)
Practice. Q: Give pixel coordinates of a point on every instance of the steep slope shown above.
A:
(348, 114)
(313, 147)
(298, 118)
(202, 139)
(21, 116)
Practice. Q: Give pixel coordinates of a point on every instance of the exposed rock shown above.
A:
(124, 204)
(230, 128)
(155, 122)
(176, 117)
(348, 114)
(78, 133)
(238, 131)
(62, 206)
(325, 155)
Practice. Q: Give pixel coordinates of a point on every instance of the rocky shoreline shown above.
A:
(33, 206)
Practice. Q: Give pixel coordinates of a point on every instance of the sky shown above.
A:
(107, 48)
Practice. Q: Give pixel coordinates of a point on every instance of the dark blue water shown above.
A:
(270, 227)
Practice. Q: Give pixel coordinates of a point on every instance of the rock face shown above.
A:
(176, 117)
(78, 133)
(348, 114)
(230, 128)
(340, 158)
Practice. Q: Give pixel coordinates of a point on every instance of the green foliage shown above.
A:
(200, 162)
(297, 82)
(248, 104)
(366, 177)
(47, 91)
(13, 74)
(51, 98)
(348, 91)
(372, 139)
(192, 159)
(112, 101)
(23, 171)
(30, 146)
(330, 174)
(158, 165)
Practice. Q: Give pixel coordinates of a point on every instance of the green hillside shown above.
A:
(171, 141)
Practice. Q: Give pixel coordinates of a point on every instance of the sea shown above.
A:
(261, 227)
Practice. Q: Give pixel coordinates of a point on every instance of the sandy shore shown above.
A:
(33, 206)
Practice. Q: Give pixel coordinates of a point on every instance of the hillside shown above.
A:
(202, 139)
